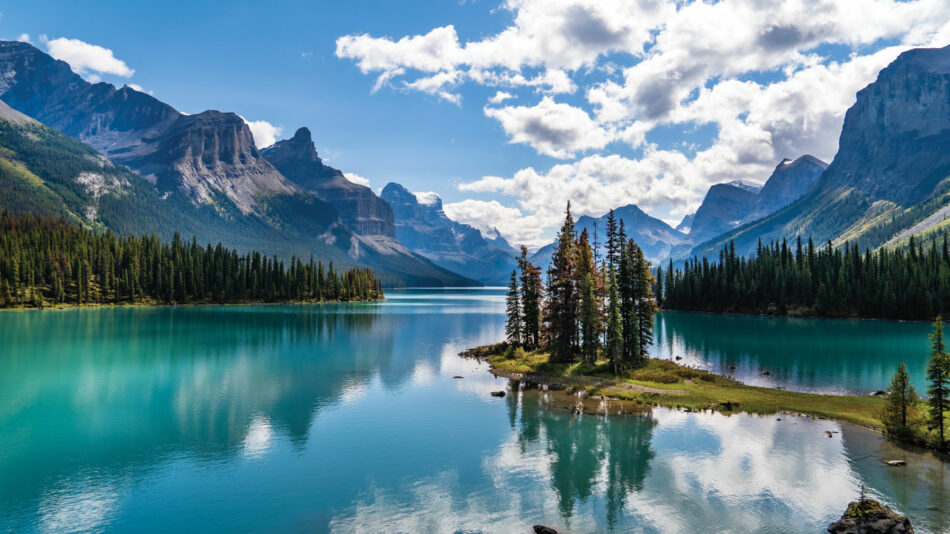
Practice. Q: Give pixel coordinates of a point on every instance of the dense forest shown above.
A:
(904, 283)
(587, 307)
(49, 262)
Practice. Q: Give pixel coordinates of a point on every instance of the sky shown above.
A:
(507, 109)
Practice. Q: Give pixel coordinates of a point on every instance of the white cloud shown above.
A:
(558, 130)
(87, 59)
(23, 38)
(487, 217)
(750, 71)
(356, 178)
(500, 97)
(427, 198)
(265, 133)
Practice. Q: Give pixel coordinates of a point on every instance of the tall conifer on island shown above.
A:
(513, 327)
(614, 325)
(938, 373)
(900, 403)
(589, 312)
(562, 302)
(530, 300)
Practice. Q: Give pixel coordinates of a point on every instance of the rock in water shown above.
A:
(497, 393)
(541, 529)
(867, 516)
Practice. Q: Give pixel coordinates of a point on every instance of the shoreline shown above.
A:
(666, 383)
(93, 306)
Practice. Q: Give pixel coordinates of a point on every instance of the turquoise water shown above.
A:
(347, 418)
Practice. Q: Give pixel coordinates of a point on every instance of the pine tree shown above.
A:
(530, 300)
(590, 320)
(614, 328)
(938, 373)
(900, 403)
(562, 302)
(513, 327)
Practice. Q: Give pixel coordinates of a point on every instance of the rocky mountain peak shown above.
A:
(360, 208)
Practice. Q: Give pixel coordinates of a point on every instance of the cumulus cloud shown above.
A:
(23, 38)
(558, 130)
(772, 78)
(500, 97)
(427, 198)
(489, 217)
(265, 133)
(88, 59)
(356, 179)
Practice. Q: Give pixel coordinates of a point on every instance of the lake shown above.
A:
(347, 418)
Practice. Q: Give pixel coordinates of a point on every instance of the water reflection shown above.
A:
(348, 418)
(813, 355)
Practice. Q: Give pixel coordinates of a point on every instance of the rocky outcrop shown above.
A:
(207, 156)
(867, 516)
(424, 228)
(360, 208)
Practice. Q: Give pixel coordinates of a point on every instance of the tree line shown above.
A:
(47, 262)
(587, 307)
(907, 417)
(904, 283)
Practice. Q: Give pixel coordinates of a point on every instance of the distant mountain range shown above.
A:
(119, 159)
(891, 170)
(425, 229)
(199, 174)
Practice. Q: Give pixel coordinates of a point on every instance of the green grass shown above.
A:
(690, 388)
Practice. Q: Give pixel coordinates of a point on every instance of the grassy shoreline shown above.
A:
(665, 383)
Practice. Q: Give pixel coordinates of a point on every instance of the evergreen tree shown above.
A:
(590, 320)
(938, 373)
(614, 327)
(900, 404)
(530, 300)
(562, 302)
(513, 327)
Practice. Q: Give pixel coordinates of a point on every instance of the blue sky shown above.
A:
(611, 102)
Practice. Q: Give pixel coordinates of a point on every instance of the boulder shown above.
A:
(497, 393)
(457, 376)
(541, 529)
(896, 463)
(867, 516)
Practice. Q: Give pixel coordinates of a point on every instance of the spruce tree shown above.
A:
(938, 373)
(513, 328)
(900, 403)
(614, 327)
(562, 302)
(590, 320)
(530, 300)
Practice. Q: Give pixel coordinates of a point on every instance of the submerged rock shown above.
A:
(867, 516)
(541, 529)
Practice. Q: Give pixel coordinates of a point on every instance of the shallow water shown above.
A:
(347, 418)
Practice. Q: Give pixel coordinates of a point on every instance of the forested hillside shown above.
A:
(49, 262)
(912, 282)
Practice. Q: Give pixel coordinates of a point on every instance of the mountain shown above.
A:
(360, 208)
(204, 171)
(789, 181)
(686, 224)
(657, 239)
(425, 229)
(723, 208)
(891, 169)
